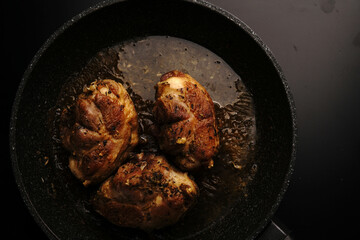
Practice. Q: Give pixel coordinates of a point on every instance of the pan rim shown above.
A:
(12, 133)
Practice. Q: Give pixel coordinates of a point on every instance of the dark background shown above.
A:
(316, 42)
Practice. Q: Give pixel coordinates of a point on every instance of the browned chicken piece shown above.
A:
(185, 116)
(99, 130)
(146, 193)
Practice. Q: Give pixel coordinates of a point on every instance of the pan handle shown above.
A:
(275, 230)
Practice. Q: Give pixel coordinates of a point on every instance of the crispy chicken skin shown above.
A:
(99, 130)
(185, 117)
(146, 193)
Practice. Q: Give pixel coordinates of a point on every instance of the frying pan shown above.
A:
(57, 206)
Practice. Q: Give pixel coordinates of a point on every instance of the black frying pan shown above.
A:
(59, 210)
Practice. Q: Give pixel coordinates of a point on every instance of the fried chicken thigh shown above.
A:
(99, 130)
(146, 193)
(185, 116)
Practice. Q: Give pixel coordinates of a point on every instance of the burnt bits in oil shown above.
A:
(138, 65)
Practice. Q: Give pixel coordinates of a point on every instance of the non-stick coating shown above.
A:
(57, 210)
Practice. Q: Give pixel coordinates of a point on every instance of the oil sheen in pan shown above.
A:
(138, 65)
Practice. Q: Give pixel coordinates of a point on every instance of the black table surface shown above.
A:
(316, 42)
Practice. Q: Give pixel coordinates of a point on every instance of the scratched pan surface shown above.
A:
(134, 42)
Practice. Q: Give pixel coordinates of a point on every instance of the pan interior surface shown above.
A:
(138, 65)
(61, 207)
